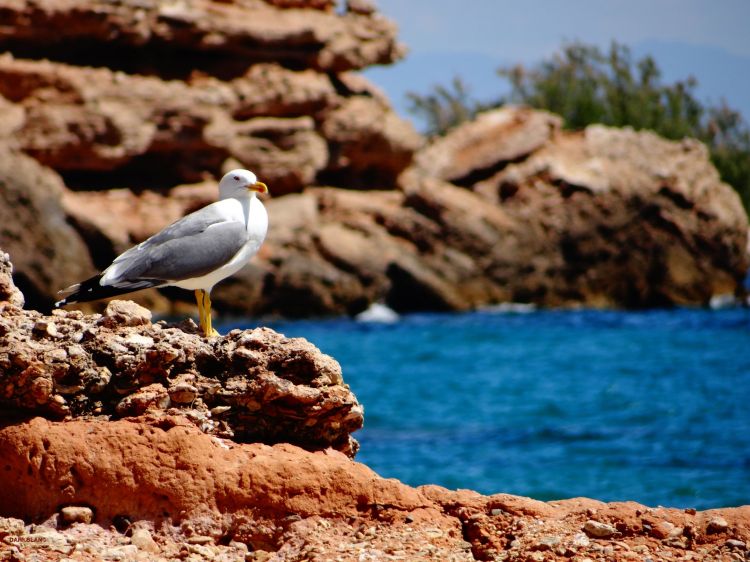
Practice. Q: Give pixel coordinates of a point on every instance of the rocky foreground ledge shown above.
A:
(121, 439)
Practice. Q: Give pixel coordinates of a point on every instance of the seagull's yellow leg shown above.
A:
(207, 328)
(201, 313)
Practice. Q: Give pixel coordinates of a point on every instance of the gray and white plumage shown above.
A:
(195, 252)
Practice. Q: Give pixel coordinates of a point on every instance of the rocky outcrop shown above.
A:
(170, 488)
(624, 218)
(252, 386)
(218, 36)
(123, 439)
(134, 108)
(149, 96)
(603, 217)
(276, 121)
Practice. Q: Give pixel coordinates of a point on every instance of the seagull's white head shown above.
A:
(238, 183)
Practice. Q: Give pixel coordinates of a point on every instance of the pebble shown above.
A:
(57, 354)
(547, 543)
(76, 514)
(127, 313)
(143, 540)
(432, 532)
(599, 530)
(676, 542)
(47, 328)
(126, 552)
(717, 525)
(200, 539)
(734, 543)
(581, 541)
(239, 546)
(204, 552)
(183, 393)
(11, 526)
(138, 340)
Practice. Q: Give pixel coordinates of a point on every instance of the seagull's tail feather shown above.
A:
(92, 290)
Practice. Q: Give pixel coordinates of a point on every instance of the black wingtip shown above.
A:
(93, 290)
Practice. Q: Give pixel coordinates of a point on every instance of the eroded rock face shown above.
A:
(249, 82)
(625, 218)
(219, 36)
(604, 217)
(254, 385)
(163, 477)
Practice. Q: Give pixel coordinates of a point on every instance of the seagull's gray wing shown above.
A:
(191, 247)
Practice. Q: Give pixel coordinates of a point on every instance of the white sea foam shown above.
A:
(514, 307)
(726, 300)
(377, 313)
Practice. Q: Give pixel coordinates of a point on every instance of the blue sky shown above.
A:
(709, 39)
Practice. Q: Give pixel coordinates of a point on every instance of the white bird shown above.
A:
(194, 253)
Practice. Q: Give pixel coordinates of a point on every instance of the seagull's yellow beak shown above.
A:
(258, 186)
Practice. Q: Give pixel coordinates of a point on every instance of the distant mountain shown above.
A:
(720, 75)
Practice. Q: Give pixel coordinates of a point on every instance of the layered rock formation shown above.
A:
(121, 122)
(149, 96)
(165, 482)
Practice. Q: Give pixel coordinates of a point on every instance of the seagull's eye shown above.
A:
(236, 178)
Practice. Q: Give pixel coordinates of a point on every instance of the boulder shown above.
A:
(48, 254)
(624, 218)
(254, 385)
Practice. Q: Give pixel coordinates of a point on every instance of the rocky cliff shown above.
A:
(120, 121)
(126, 440)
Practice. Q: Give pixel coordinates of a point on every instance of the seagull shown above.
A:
(194, 253)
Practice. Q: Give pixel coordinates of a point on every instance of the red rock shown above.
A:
(165, 475)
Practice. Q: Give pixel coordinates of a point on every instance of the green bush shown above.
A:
(585, 85)
(446, 107)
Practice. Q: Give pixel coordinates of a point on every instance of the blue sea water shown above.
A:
(647, 406)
